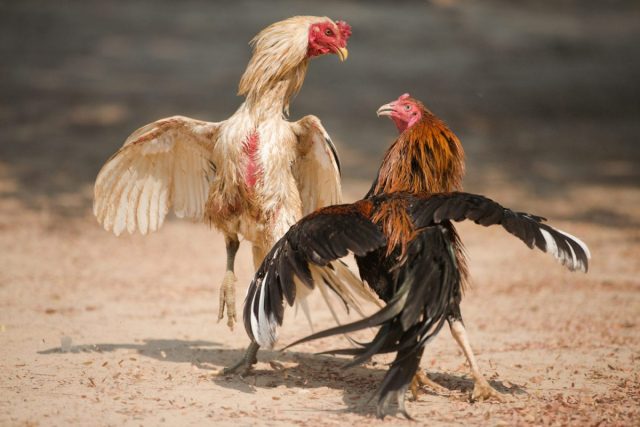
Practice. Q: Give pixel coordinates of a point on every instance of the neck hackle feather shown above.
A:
(279, 60)
(427, 157)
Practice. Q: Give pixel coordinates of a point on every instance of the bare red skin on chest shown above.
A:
(252, 171)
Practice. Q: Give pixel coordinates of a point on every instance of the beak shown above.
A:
(386, 110)
(342, 53)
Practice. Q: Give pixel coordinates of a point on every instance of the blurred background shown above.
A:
(545, 96)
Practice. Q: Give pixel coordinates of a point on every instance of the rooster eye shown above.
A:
(328, 32)
(407, 107)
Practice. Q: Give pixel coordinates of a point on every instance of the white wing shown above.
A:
(317, 169)
(165, 164)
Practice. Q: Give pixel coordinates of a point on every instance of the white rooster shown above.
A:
(254, 174)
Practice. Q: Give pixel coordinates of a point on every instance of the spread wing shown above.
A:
(428, 209)
(165, 164)
(305, 258)
(317, 169)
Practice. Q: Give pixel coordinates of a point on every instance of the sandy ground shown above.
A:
(544, 99)
(146, 348)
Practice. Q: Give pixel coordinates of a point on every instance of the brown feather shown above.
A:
(396, 224)
(427, 157)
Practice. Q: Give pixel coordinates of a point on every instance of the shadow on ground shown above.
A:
(292, 370)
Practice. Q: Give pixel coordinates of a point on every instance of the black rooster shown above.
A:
(406, 248)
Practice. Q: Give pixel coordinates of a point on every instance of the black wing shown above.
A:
(304, 257)
(427, 284)
(432, 209)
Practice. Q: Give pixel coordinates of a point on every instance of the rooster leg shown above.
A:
(482, 390)
(421, 379)
(228, 288)
(258, 253)
(243, 367)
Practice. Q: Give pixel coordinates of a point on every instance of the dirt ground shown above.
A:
(99, 330)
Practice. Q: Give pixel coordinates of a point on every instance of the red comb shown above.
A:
(345, 30)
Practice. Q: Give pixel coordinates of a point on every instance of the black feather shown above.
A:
(426, 285)
(321, 237)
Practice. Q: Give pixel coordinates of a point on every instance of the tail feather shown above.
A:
(428, 283)
(306, 257)
(397, 380)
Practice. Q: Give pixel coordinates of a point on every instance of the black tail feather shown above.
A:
(428, 283)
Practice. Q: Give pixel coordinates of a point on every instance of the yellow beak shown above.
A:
(386, 109)
(343, 53)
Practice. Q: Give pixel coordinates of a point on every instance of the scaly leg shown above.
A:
(258, 253)
(421, 379)
(482, 390)
(228, 289)
(244, 365)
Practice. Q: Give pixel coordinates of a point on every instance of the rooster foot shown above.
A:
(243, 366)
(421, 379)
(228, 298)
(482, 390)
(383, 408)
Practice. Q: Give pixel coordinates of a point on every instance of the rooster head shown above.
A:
(327, 36)
(404, 111)
(281, 53)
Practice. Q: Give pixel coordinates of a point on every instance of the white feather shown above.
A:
(569, 258)
(105, 176)
(263, 327)
(552, 248)
(128, 205)
(254, 319)
(574, 260)
(266, 325)
(155, 195)
(138, 133)
(105, 186)
(113, 199)
(316, 274)
(304, 305)
(163, 144)
(134, 196)
(197, 174)
(204, 185)
(179, 191)
(136, 188)
(120, 221)
(343, 273)
(102, 180)
(143, 204)
(193, 190)
(190, 185)
(318, 177)
(163, 197)
(578, 241)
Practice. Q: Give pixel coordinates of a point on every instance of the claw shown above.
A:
(421, 379)
(383, 408)
(482, 390)
(228, 299)
(243, 366)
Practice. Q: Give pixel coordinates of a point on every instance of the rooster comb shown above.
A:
(345, 30)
